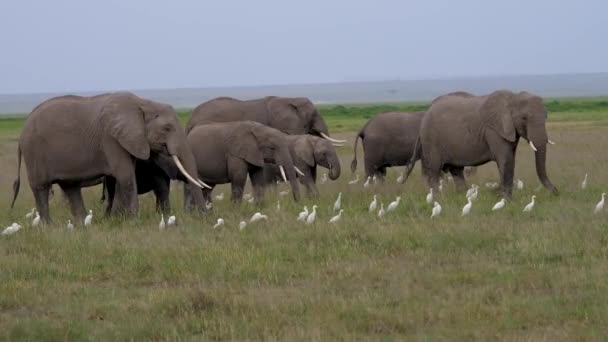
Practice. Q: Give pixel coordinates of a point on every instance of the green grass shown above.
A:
(488, 276)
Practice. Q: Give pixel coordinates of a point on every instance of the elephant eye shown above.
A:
(167, 128)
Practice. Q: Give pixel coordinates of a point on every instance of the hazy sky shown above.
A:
(70, 45)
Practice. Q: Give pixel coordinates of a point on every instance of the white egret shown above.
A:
(89, 219)
(36, 220)
(337, 217)
(600, 205)
(373, 205)
(528, 208)
(171, 221)
(400, 178)
(247, 196)
(381, 212)
(312, 216)
(219, 197)
(220, 222)
(284, 193)
(161, 224)
(441, 185)
(303, 214)
(584, 183)
(520, 184)
(436, 209)
(429, 196)
(492, 185)
(499, 205)
(471, 190)
(13, 228)
(258, 216)
(467, 207)
(242, 225)
(70, 225)
(30, 214)
(393, 205)
(338, 202)
(355, 180)
(374, 179)
(474, 194)
(324, 178)
(367, 181)
(208, 205)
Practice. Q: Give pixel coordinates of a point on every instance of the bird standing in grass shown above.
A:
(312, 216)
(393, 205)
(373, 205)
(171, 221)
(467, 207)
(337, 217)
(219, 197)
(436, 210)
(499, 205)
(30, 214)
(400, 178)
(220, 222)
(381, 211)
(161, 224)
(338, 202)
(242, 225)
(324, 178)
(12, 229)
(528, 208)
(258, 216)
(303, 214)
(600, 205)
(584, 183)
(355, 180)
(70, 225)
(88, 220)
(36, 220)
(520, 184)
(367, 181)
(429, 196)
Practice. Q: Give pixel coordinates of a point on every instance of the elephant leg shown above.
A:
(74, 195)
(432, 171)
(381, 174)
(41, 195)
(313, 174)
(110, 192)
(504, 154)
(459, 180)
(308, 182)
(238, 170)
(161, 192)
(257, 182)
(188, 201)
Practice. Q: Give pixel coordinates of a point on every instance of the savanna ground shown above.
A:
(506, 275)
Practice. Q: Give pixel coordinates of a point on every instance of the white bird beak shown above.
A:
(532, 146)
(283, 173)
(198, 183)
(325, 136)
(551, 142)
(298, 171)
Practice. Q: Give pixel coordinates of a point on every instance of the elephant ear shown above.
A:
(243, 144)
(304, 150)
(125, 122)
(284, 115)
(496, 114)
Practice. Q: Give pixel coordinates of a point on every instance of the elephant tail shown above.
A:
(103, 190)
(17, 182)
(415, 157)
(353, 164)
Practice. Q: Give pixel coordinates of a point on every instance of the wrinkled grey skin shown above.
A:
(388, 140)
(308, 152)
(459, 131)
(75, 141)
(228, 152)
(153, 175)
(291, 115)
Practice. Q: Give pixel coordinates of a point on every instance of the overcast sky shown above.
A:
(72, 45)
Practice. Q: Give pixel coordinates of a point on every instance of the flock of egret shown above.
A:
(309, 217)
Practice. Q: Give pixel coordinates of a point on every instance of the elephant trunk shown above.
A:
(288, 167)
(537, 136)
(334, 169)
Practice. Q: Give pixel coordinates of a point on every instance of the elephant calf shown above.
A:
(228, 152)
(307, 152)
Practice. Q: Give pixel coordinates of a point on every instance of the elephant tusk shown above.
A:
(184, 172)
(298, 171)
(551, 142)
(532, 146)
(325, 136)
(283, 173)
(204, 184)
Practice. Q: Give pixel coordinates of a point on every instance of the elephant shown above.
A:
(153, 175)
(388, 140)
(75, 141)
(229, 151)
(291, 115)
(459, 131)
(308, 152)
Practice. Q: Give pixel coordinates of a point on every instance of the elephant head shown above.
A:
(520, 115)
(316, 151)
(259, 144)
(297, 115)
(141, 126)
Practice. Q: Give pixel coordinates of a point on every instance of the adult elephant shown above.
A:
(291, 115)
(308, 152)
(74, 141)
(462, 131)
(153, 175)
(388, 140)
(229, 151)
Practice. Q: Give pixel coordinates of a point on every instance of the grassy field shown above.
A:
(490, 275)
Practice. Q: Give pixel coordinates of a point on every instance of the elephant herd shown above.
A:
(134, 145)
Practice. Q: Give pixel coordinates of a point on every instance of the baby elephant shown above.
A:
(307, 152)
(227, 152)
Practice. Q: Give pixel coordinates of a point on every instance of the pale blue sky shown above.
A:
(75, 45)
